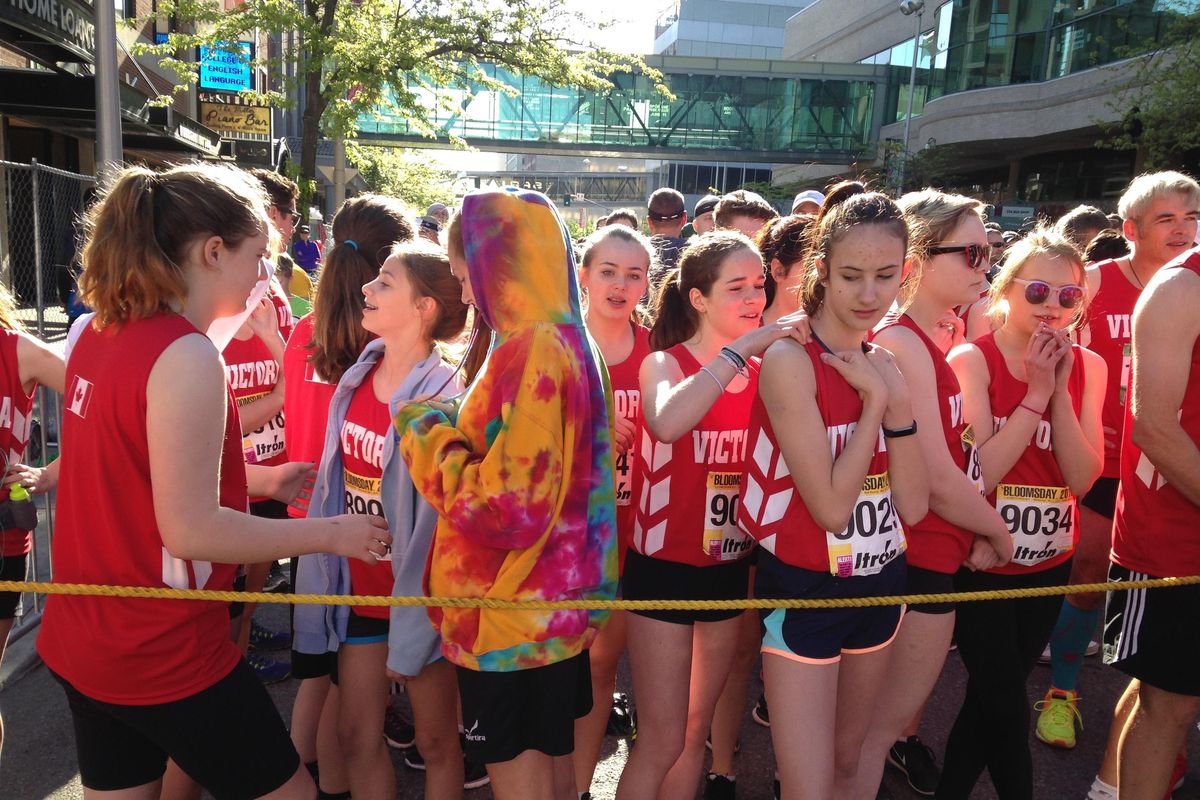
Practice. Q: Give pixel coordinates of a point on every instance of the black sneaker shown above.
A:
(268, 670)
(262, 638)
(277, 581)
(718, 787)
(474, 775)
(398, 731)
(915, 759)
(760, 713)
(622, 720)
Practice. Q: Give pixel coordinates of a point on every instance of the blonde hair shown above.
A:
(1144, 188)
(137, 236)
(1043, 241)
(934, 215)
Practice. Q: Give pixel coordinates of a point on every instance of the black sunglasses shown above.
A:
(976, 253)
(1038, 292)
(296, 217)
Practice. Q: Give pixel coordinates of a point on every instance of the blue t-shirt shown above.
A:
(307, 254)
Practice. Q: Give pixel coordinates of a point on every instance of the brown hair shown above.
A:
(429, 274)
(1107, 244)
(745, 204)
(839, 193)
(282, 190)
(364, 232)
(587, 251)
(675, 319)
(785, 239)
(834, 223)
(1041, 241)
(1081, 224)
(481, 333)
(625, 214)
(137, 236)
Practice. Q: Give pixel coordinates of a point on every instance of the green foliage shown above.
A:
(357, 56)
(1158, 105)
(404, 174)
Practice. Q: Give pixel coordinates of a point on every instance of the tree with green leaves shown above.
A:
(1158, 106)
(354, 57)
(403, 174)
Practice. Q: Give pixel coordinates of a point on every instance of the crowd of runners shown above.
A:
(864, 397)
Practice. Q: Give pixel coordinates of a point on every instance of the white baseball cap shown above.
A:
(809, 196)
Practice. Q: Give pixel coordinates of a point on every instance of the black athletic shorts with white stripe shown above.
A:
(1151, 634)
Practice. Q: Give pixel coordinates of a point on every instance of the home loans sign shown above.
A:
(66, 23)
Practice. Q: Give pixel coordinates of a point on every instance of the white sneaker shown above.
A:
(1091, 650)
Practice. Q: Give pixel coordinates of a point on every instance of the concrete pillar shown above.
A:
(1014, 179)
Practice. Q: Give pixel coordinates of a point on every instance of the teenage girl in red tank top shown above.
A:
(613, 268)
(1035, 403)
(829, 520)
(696, 396)
(148, 409)
(961, 527)
(322, 347)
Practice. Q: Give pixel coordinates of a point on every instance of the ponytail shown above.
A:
(364, 232)
(138, 235)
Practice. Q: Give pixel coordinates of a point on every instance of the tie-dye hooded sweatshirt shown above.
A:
(522, 478)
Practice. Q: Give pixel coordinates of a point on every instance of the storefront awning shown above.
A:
(67, 103)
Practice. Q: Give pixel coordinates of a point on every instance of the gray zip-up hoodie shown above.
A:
(412, 640)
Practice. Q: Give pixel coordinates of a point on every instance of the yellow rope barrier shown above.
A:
(163, 593)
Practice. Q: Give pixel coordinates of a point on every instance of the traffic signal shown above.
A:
(566, 199)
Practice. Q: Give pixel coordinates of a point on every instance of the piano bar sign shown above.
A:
(235, 119)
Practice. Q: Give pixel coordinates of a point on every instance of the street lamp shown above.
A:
(908, 8)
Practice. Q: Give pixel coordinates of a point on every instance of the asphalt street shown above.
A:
(38, 758)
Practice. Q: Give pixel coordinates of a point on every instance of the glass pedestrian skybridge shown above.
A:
(724, 109)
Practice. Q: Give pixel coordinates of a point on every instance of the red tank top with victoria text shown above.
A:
(1109, 318)
(364, 431)
(687, 491)
(252, 374)
(627, 404)
(774, 514)
(1156, 529)
(933, 543)
(130, 651)
(306, 397)
(1033, 498)
(15, 418)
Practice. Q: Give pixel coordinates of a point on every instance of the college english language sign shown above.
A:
(235, 120)
(226, 70)
(66, 23)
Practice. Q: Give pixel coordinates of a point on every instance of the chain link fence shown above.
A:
(40, 212)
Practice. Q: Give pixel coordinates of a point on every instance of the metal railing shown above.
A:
(40, 213)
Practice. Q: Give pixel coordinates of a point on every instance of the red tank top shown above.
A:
(15, 418)
(773, 512)
(283, 309)
(1156, 529)
(252, 373)
(934, 543)
(306, 399)
(688, 490)
(130, 651)
(627, 404)
(1109, 318)
(1032, 498)
(364, 432)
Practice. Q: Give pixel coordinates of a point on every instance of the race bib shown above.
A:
(1040, 519)
(362, 497)
(873, 538)
(260, 445)
(723, 539)
(624, 475)
(974, 470)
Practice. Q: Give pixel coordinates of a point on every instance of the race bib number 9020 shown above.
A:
(723, 539)
(872, 538)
